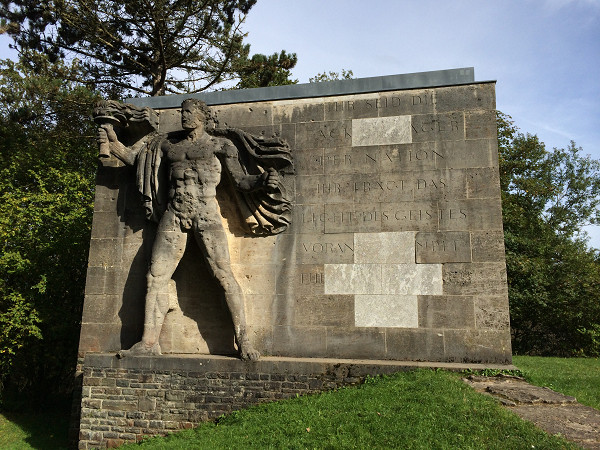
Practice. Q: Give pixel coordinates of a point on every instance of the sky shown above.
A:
(544, 54)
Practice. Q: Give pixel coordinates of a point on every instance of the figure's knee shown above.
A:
(225, 277)
(155, 279)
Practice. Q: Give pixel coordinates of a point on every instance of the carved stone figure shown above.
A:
(177, 175)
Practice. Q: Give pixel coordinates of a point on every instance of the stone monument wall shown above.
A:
(395, 250)
(395, 253)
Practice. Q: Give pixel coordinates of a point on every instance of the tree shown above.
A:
(263, 71)
(554, 278)
(332, 76)
(47, 171)
(153, 48)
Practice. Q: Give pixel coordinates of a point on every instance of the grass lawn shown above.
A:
(419, 410)
(579, 377)
(34, 431)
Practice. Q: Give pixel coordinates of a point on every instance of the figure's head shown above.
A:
(195, 114)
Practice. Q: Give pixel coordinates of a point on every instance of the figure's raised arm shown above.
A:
(109, 144)
(134, 126)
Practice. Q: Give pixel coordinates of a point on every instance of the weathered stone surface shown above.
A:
(386, 311)
(394, 250)
(443, 247)
(488, 246)
(438, 127)
(475, 279)
(446, 311)
(399, 248)
(415, 345)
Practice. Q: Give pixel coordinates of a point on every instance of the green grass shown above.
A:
(422, 409)
(419, 410)
(579, 377)
(34, 431)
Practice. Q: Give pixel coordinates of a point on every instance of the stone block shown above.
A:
(255, 279)
(350, 217)
(106, 224)
(105, 252)
(465, 346)
(376, 188)
(385, 248)
(300, 341)
(414, 345)
(472, 97)
(488, 246)
(310, 161)
(309, 218)
(101, 308)
(483, 183)
(325, 248)
(352, 106)
(463, 154)
(106, 199)
(309, 279)
(441, 184)
(103, 280)
(353, 278)
(475, 279)
(443, 247)
(258, 251)
(298, 111)
(480, 125)
(368, 343)
(324, 134)
(324, 310)
(398, 311)
(406, 102)
(411, 279)
(470, 215)
(438, 127)
(245, 114)
(324, 189)
(446, 311)
(491, 312)
(99, 336)
(381, 131)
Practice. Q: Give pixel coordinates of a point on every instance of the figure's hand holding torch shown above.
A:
(106, 134)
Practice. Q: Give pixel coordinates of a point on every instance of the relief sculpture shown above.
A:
(177, 175)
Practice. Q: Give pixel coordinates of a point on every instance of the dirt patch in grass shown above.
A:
(551, 411)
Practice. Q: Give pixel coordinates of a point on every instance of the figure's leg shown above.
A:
(167, 251)
(214, 247)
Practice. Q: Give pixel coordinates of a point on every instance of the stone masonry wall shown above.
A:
(395, 251)
(126, 400)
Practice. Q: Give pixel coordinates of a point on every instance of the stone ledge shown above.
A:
(272, 364)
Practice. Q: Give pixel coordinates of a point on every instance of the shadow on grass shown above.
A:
(48, 429)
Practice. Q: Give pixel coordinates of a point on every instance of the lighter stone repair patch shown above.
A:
(384, 264)
(381, 131)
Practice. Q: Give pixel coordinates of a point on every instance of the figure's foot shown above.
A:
(248, 352)
(140, 349)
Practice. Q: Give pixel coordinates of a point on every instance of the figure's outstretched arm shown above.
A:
(107, 139)
(268, 180)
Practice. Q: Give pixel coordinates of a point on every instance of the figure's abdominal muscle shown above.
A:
(192, 196)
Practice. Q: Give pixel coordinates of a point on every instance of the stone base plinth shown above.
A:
(126, 399)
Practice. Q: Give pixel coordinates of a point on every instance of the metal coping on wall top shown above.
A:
(437, 78)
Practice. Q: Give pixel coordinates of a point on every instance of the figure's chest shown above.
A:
(200, 152)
